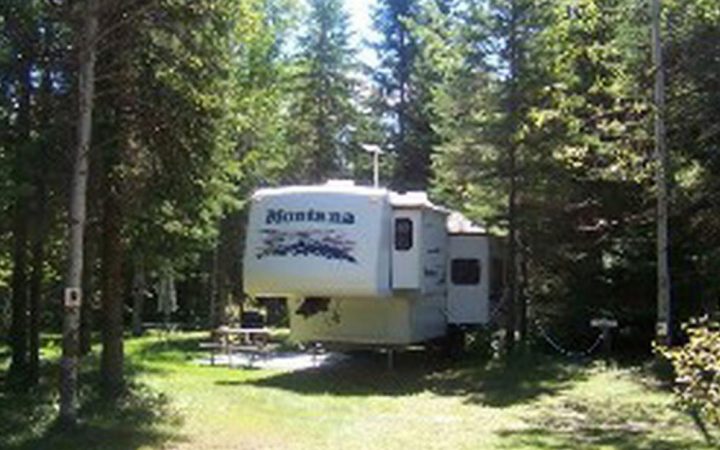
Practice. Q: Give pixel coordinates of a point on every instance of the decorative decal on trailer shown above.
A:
(328, 244)
(280, 216)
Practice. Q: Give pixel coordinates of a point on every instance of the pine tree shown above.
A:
(322, 110)
(169, 169)
(404, 92)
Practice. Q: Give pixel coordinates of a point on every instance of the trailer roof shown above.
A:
(414, 200)
(331, 187)
(457, 223)
(404, 200)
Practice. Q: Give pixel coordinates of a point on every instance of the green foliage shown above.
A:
(697, 369)
(466, 163)
(261, 74)
(171, 126)
(321, 106)
(404, 80)
(563, 86)
(693, 57)
(201, 102)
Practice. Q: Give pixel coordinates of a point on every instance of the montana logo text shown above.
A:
(279, 216)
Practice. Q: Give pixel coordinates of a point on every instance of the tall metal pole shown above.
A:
(376, 169)
(664, 320)
(376, 151)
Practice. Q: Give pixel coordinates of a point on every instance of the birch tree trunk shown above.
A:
(73, 285)
(664, 322)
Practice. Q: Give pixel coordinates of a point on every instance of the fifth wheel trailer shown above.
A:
(368, 266)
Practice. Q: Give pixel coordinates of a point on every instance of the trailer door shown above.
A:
(407, 248)
(468, 279)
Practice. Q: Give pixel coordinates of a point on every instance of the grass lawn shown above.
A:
(525, 403)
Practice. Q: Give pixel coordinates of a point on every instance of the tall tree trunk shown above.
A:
(138, 294)
(19, 282)
(36, 281)
(73, 283)
(213, 316)
(664, 310)
(18, 324)
(511, 283)
(111, 361)
(39, 229)
(522, 310)
(90, 276)
(87, 310)
(512, 279)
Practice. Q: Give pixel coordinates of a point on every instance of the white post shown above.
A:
(376, 169)
(375, 150)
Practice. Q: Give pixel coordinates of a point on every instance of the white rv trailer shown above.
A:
(362, 265)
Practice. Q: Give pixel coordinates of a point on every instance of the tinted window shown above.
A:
(465, 271)
(403, 234)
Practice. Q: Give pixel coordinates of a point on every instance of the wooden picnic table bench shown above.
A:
(252, 342)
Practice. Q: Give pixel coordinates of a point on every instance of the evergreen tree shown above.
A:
(33, 50)
(322, 109)
(259, 135)
(167, 163)
(404, 93)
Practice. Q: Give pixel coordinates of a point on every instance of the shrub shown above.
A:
(697, 370)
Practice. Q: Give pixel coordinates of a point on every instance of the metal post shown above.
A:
(375, 150)
(376, 169)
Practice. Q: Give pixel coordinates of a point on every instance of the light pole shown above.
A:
(376, 152)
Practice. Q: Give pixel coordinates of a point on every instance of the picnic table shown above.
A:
(249, 341)
(167, 327)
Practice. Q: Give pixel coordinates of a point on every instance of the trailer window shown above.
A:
(403, 234)
(465, 271)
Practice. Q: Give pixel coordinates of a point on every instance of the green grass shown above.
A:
(525, 403)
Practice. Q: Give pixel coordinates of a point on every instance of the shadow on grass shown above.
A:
(168, 348)
(594, 438)
(141, 417)
(601, 430)
(494, 383)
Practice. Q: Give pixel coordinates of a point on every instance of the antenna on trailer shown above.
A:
(376, 152)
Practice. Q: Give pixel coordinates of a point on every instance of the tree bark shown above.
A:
(87, 310)
(90, 276)
(18, 324)
(522, 299)
(73, 284)
(112, 357)
(213, 316)
(36, 282)
(664, 310)
(39, 228)
(138, 294)
(512, 279)
(19, 282)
